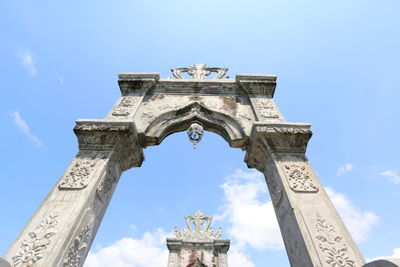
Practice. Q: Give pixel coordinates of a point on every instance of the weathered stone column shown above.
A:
(61, 231)
(313, 232)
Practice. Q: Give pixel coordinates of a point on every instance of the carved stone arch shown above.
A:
(179, 120)
(242, 111)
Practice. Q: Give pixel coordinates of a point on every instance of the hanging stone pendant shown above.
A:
(195, 133)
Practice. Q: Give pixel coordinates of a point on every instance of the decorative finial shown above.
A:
(198, 232)
(195, 133)
(199, 71)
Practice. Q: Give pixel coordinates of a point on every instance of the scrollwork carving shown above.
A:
(106, 187)
(199, 71)
(32, 248)
(299, 177)
(292, 130)
(332, 245)
(78, 249)
(124, 107)
(274, 188)
(198, 232)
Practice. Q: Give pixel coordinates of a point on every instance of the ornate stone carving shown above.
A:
(332, 245)
(274, 188)
(77, 251)
(299, 177)
(199, 71)
(107, 184)
(77, 176)
(124, 107)
(277, 129)
(198, 233)
(32, 248)
(102, 127)
(267, 109)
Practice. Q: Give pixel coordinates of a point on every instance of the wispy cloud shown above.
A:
(359, 223)
(24, 128)
(392, 175)
(345, 168)
(28, 60)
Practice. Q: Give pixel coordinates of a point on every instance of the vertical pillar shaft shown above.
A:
(313, 232)
(61, 231)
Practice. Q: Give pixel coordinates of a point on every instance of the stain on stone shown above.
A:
(230, 102)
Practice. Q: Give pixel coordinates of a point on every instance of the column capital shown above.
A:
(268, 138)
(137, 82)
(257, 84)
(119, 137)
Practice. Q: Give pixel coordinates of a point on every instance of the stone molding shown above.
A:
(271, 138)
(137, 82)
(255, 84)
(119, 137)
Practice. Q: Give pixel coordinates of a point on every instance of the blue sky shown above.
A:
(338, 68)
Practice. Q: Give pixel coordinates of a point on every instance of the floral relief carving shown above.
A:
(77, 176)
(32, 247)
(77, 251)
(124, 106)
(267, 109)
(299, 177)
(332, 245)
(274, 188)
(106, 187)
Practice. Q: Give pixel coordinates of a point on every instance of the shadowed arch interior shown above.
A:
(176, 121)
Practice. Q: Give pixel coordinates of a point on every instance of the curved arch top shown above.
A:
(179, 120)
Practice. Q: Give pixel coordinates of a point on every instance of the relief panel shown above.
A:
(33, 247)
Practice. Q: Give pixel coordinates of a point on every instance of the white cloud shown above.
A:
(149, 251)
(237, 258)
(396, 254)
(28, 60)
(359, 223)
(23, 126)
(392, 176)
(345, 168)
(253, 220)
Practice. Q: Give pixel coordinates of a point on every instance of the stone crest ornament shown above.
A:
(198, 232)
(195, 133)
(331, 244)
(199, 71)
(299, 177)
(32, 248)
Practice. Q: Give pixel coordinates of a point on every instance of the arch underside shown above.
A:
(179, 120)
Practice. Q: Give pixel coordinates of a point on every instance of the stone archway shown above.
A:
(242, 111)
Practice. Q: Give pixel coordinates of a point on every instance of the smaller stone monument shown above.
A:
(197, 245)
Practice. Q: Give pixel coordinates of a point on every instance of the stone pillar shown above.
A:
(313, 232)
(207, 253)
(61, 231)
